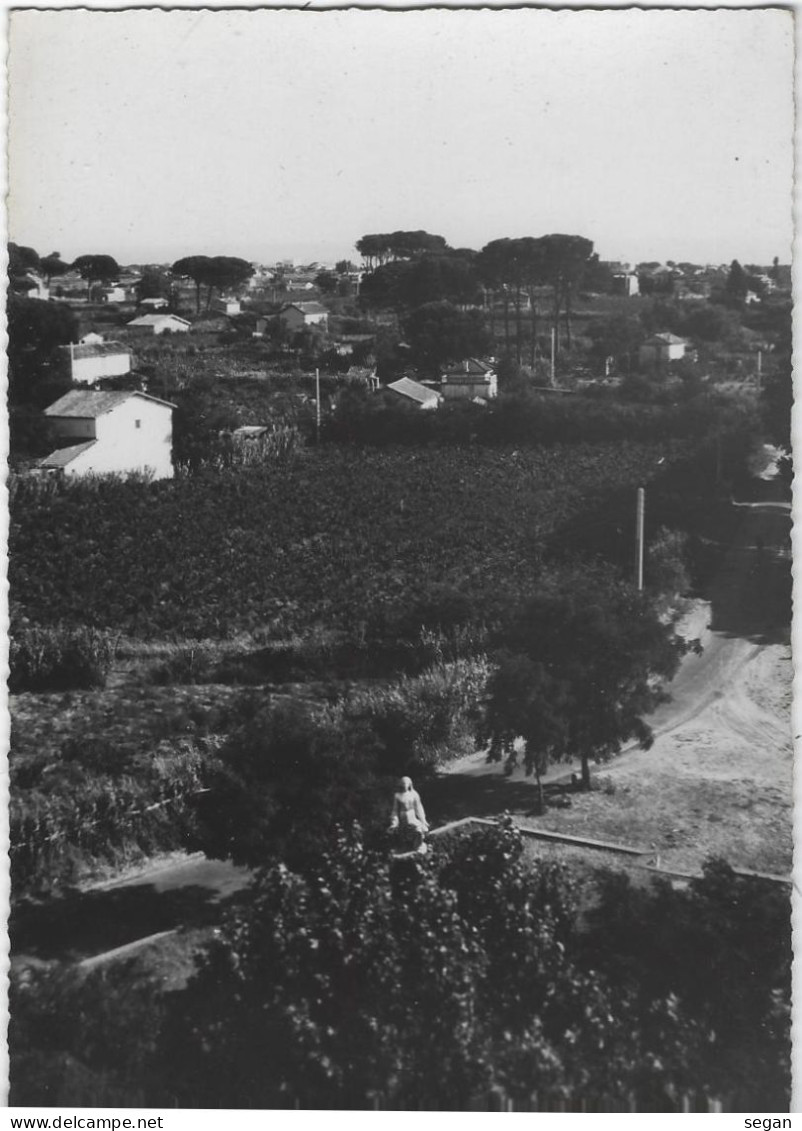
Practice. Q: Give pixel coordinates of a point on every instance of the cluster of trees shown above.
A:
(515, 274)
(412, 270)
(514, 268)
(465, 982)
(581, 667)
(216, 273)
(444, 275)
(382, 248)
(24, 260)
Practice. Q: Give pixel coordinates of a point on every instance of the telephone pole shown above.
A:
(639, 516)
(317, 406)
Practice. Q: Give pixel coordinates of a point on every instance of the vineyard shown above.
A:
(334, 538)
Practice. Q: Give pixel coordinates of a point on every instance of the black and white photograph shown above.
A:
(399, 573)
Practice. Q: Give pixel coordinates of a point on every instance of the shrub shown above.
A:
(184, 663)
(424, 721)
(59, 658)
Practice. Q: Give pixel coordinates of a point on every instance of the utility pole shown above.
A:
(639, 515)
(317, 406)
(553, 350)
(759, 369)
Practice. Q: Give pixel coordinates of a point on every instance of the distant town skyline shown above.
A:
(271, 134)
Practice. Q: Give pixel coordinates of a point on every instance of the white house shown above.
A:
(90, 361)
(111, 433)
(227, 306)
(160, 324)
(468, 380)
(413, 393)
(626, 283)
(661, 348)
(156, 303)
(38, 289)
(297, 315)
(363, 375)
(113, 294)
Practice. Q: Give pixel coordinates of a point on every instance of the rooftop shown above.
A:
(470, 368)
(88, 404)
(307, 307)
(414, 391)
(62, 456)
(668, 339)
(155, 319)
(98, 349)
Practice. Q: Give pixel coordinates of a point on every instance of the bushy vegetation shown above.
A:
(60, 658)
(465, 981)
(267, 779)
(91, 806)
(583, 666)
(294, 771)
(526, 419)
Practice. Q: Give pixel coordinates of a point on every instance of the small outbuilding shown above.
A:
(298, 315)
(229, 306)
(468, 380)
(160, 324)
(92, 359)
(413, 393)
(662, 348)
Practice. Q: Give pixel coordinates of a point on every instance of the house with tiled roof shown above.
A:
(105, 433)
(412, 393)
(91, 360)
(469, 379)
(160, 324)
(297, 315)
(662, 348)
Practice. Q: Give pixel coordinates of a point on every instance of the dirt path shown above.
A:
(718, 779)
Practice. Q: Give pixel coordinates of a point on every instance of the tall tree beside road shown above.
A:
(155, 283)
(382, 247)
(493, 267)
(439, 332)
(737, 283)
(97, 268)
(430, 277)
(564, 261)
(579, 674)
(227, 273)
(516, 267)
(216, 272)
(196, 268)
(53, 266)
(21, 261)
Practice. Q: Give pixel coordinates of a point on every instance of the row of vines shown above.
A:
(334, 537)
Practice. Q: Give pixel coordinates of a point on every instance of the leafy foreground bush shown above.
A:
(63, 658)
(293, 772)
(454, 982)
(278, 777)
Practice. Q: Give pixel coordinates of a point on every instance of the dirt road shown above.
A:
(718, 779)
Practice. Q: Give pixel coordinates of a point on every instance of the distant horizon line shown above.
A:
(299, 259)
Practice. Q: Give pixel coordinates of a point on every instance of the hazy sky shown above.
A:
(149, 134)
